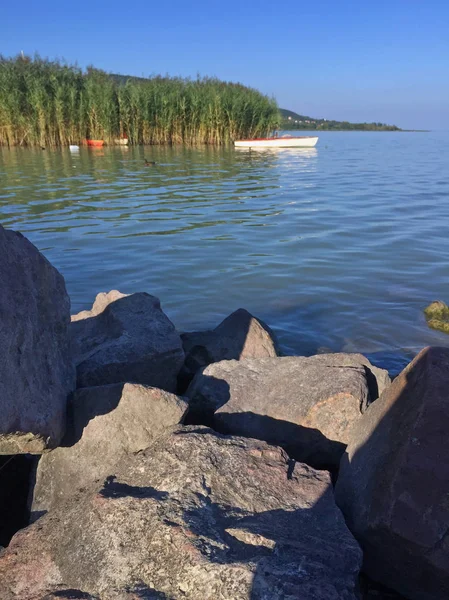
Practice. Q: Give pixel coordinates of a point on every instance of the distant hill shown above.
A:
(122, 79)
(291, 120)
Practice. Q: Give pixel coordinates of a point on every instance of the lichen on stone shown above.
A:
(437, 316)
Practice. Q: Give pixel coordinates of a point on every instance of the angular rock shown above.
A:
(239, 336)
(196, 516)
(105, 423)
(126, 338)
(36, 370)
(306, 405)
(393, 485)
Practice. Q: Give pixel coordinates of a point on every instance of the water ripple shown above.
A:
(338, 247)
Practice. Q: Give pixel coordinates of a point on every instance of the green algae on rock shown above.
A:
(437, 316)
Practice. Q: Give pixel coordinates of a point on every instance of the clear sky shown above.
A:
(359, 60)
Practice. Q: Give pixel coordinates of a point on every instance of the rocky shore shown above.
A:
(140, 462)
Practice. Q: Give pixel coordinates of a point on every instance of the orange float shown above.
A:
(95, 143)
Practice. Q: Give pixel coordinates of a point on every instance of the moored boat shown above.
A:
(74, 148)
(124, 141)
(95, 143)
(286, 141)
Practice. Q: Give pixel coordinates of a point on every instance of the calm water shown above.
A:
(339, 247)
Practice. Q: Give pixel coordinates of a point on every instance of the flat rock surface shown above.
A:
(196, 516)
(307, 405)
(105, 423)
(36, 370)
(126, 338)
(393, 485)
(378, 379)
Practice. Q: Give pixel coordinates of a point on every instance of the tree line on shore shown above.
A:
(293, 121)
(338, 126)
(51, 103)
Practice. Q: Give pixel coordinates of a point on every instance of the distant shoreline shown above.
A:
(297, 122)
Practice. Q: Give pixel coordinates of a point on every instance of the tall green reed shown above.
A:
(50, 103)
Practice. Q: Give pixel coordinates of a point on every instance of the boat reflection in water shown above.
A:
(287, 157)
(304, 152)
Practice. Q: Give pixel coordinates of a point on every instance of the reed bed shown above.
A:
(49, 103)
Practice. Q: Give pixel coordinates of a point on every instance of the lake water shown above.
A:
(338, 248)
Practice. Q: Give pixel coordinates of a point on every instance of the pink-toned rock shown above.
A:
(306, 405)
(64, 594)
(126, 338)
(198, 516)
(393, 485)
(102, 300)
(36, 369)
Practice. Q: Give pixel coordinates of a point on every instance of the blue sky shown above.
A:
(342, 59)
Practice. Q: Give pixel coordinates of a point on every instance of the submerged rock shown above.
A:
(393, 485)
(437, 316)
(105, 423)
(239, 336)
(36, 370)
(196, 516)
(306, 405)
(126, 338)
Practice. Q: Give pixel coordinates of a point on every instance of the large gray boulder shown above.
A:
(393, 485)
(105, 423)
(306, 405)
(240, 335)
(36, 370)
(197, 516)
(126, 338)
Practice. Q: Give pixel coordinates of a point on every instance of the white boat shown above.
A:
(285, 141)
(73, 148)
